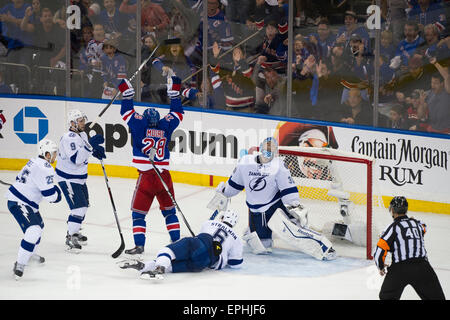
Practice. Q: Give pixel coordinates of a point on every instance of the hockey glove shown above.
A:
(126, 88)
(58, 198)
(173, 87)
(191, 94)
(99, 153)
(96, 140)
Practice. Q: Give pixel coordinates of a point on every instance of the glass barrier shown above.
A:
(293, 58)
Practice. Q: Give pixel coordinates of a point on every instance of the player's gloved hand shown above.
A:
(173, 87)
(99, 151)
(219, 202)
(126, 88)
(191, 94)
(58, 198)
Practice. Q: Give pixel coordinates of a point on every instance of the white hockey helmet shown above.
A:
(74, 115)
(46, 145)
(230, 217)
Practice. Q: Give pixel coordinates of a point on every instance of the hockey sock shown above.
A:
(27, 245)
(139, 228)
(75, 220)
(172, 224)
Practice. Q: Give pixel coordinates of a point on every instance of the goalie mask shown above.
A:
(268, 149)
(152, 117)
(399, 205)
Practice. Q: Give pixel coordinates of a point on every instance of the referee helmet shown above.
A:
(398, 204)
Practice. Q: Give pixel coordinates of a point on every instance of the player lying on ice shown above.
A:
(215, 247)
(274, 204)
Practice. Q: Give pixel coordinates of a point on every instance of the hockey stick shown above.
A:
(166, 42)
(5, 183)
(122, 243)
(151, 155)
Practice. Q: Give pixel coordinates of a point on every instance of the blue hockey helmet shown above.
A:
(152, 117)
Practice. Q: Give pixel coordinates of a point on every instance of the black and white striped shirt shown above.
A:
(403, 239)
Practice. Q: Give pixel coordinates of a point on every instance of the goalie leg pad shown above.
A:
(255, 243)
(306, 240)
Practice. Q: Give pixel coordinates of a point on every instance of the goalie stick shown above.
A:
(122, 242)
(150, 157)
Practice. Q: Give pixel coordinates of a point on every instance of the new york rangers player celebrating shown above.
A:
(34, 182)
(273, 202)
(149, 131)
(75, 148)
(215, 247)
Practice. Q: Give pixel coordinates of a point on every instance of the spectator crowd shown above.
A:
(248, 68)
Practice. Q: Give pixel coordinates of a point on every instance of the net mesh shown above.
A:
(329, 188)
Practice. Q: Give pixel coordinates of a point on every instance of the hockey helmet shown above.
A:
(73, 116)
(230, 217)
(398, 204)
(152, 116)
(46, 145)
(268, 148)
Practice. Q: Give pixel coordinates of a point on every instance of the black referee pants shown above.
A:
(417, 273)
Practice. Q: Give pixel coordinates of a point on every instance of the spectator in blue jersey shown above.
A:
(323, 39)
(219, 31)
(387, 47)
(16, 40)
(408, 46)
(437, 104)
(31, 17)
(114, 68)
(114, 21)
(428, 12)
(351, 27)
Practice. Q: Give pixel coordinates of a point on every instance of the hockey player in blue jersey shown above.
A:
(149, 131)
(216, 247)
(34, 182)
(75, 148)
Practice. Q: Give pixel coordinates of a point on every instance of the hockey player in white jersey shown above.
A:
(273, 202)
(215, 247)
(34, 183)
(75, 148)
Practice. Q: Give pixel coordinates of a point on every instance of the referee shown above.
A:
(404, 240)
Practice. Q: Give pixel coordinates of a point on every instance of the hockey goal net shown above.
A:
(339, 187)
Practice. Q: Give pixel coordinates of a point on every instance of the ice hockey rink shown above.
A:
(94, 274)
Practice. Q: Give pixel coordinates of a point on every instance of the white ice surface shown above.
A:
(93, 274)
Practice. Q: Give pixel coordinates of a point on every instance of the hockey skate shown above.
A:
(18, 270)
(131, 264)
(82, 239)
(72, 244)
(37, 259)
(156, 274)
(135, 253)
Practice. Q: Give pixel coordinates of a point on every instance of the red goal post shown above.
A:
(319, 172)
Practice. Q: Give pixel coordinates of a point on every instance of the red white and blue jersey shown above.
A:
(145, 138)
(114, 69)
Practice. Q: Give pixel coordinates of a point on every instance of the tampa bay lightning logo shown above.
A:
(257, 184)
